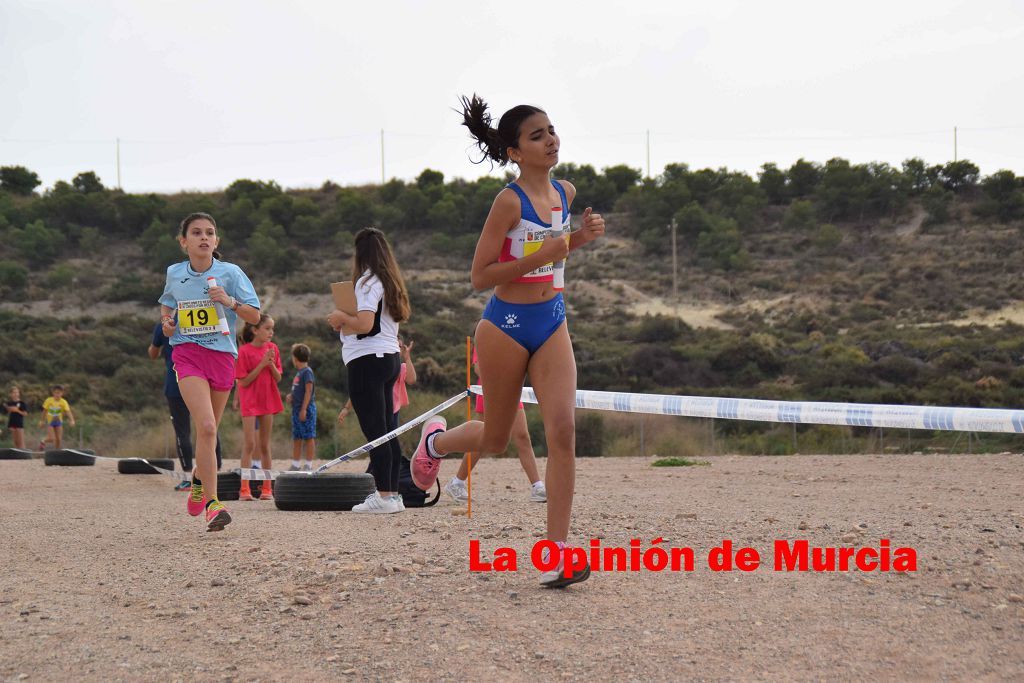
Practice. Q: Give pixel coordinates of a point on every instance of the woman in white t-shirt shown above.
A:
(371, 356)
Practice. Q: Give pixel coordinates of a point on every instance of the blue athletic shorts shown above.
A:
(307, 429)
(530, 325)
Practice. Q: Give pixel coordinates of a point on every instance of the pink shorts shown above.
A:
(216, 367)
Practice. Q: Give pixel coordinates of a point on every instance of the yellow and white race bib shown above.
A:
(198, 316)
(531, 245)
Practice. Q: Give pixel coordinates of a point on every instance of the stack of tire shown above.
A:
(144, 466)
(326, 491)
(229, 484)
(15, 454)
(69, 457)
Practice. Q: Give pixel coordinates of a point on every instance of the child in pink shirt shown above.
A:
(258, 371)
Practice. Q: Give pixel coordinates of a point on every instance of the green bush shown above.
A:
(828, 238)
(723, 245)
(89, 241)
(678, 462)
(133, 287)
(13, 275)
(589, 434)
(61, 276)
(800, 216)
(37, 244)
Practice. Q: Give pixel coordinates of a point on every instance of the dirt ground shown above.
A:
(105, 577)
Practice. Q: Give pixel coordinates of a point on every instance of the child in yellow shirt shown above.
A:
(54, 409)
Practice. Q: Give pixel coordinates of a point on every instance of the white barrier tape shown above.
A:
(253, 474)
(180, 476)
(366, 448)
(801, 412)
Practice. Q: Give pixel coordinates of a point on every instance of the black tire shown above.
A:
(15, 454)
(228, 484)
(302, 491)
(140, 467)
(68, 457)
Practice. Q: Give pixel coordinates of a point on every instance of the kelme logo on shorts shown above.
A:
(511, 321)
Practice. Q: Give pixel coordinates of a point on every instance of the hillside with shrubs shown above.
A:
(822, 281)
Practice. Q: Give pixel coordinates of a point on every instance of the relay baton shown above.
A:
(222, 318)
(559, 266)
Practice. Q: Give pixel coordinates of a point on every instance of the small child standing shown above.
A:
(16, 412)
(54, 409)
(258, 371)
(303, 401)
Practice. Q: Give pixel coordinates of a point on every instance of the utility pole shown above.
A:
(675, 275)
(381, 156)
(648, 152)
(118, 150)
(954, 144)
(675, 264)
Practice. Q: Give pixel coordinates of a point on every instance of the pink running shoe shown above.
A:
(424, 468)
(217, 516)
(196, 501)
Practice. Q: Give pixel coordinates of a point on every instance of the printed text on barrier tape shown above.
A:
(801, 412)
(366, 448)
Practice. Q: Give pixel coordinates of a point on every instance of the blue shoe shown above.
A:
(183, 486)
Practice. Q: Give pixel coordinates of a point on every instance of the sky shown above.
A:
(203, 93)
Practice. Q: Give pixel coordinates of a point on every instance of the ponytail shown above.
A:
(494, 143)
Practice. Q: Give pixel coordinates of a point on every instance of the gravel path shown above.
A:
(104, 577)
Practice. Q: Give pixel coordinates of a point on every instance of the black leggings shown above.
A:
(182, 421)
(371, 380)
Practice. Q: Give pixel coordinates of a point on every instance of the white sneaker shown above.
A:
(538, 494)
(376, 505)
(401, 503)
(308, 467)
(457, 491)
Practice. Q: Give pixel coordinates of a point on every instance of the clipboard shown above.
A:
(344, 295)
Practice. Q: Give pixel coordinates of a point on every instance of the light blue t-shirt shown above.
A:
(187, 292)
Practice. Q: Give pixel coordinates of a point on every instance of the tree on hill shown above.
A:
(773, 183)
(87, 183)
(256, 190)
(959, 175)
(18, 180)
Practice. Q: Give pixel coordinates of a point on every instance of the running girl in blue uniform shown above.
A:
(523, 328)
(202, 299)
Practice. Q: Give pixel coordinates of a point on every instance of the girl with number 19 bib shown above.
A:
(202, 299)
(523, 329)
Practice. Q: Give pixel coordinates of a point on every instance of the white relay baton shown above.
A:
(559, 266)
(222, 318)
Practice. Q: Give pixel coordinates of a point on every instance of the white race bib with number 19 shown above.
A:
(197, 316)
